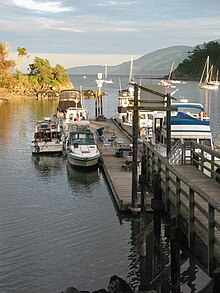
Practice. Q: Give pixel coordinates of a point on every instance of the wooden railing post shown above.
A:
(211, 239)
(216, 280)
(202, 160)
(135, 147)
(191, 228)
(143, 222)
(212, 167)
(167, 175)
(177, 202)
(147, 164)
(157, 207)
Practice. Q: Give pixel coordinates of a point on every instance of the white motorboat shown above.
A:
(81, 147)
(47, 138)
(70, 109)
(166, 84)
(188, 123)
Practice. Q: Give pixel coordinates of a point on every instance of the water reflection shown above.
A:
(47, 166)
(141, 275)
(79, 178)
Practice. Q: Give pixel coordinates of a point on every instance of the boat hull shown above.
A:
(46, 147)
(209, 87)
(84, 162)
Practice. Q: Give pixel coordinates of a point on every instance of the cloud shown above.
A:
(67, 29)
(49, 6)
(127, 3)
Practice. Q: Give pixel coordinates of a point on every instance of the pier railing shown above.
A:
(197, 214)
(205, 159)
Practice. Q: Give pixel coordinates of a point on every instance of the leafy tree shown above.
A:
(46, 80)
(22, 53)
(192, 66)
(6, 66)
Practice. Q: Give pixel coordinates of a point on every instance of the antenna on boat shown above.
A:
(81, 96)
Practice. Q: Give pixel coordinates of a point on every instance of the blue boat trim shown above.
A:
(178, 130)
(188, 106)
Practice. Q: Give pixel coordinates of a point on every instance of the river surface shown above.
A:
(59, 227)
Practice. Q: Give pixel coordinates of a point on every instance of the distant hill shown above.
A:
(156, 63)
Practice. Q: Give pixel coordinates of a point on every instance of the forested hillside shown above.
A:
(191, 68)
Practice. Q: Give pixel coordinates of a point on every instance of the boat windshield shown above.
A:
(189, 109)
(82, 138)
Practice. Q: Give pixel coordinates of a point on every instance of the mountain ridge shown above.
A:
(156, 63)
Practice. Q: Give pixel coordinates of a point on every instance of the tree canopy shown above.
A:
(192, 67)
(43, 80)
(6, 66)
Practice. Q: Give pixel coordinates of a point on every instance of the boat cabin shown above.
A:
(46, 131)
(77, 138)
(188, 123)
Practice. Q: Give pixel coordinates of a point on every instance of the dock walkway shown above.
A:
(118, 176)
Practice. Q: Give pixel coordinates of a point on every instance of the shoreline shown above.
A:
(6, 96)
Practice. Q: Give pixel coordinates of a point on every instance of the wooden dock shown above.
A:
(191, 194)
(119, 177)
(189, 191)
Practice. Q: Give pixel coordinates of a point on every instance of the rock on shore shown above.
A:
(116, 285)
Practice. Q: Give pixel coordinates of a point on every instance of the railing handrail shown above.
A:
(206, 149)
(195, 188)
(185, 198)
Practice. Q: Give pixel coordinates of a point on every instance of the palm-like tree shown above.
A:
(22, 53)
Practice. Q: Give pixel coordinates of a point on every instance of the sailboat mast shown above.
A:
(131, 70)
(106, 74)
(171, 69)
(203, 72)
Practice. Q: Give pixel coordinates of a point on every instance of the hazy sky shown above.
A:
(123, 27)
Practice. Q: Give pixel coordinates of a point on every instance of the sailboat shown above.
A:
(171, 78)
(106, 80)
(167, 83)
(216, 81)
(206, 78)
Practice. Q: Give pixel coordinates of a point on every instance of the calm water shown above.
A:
(59, 227)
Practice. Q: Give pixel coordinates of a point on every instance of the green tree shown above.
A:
(192, 66)
(46, 80)
(6, 66)
(22, 53)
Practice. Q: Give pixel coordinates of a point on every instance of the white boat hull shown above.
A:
(209, 87)
(47, 147)
(84, 161)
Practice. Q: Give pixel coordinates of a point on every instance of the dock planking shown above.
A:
(119, 179)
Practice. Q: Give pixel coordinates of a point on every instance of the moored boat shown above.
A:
(70, 109)
(206, 81)
(188, 123)
(81, 147)
(47, 138)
